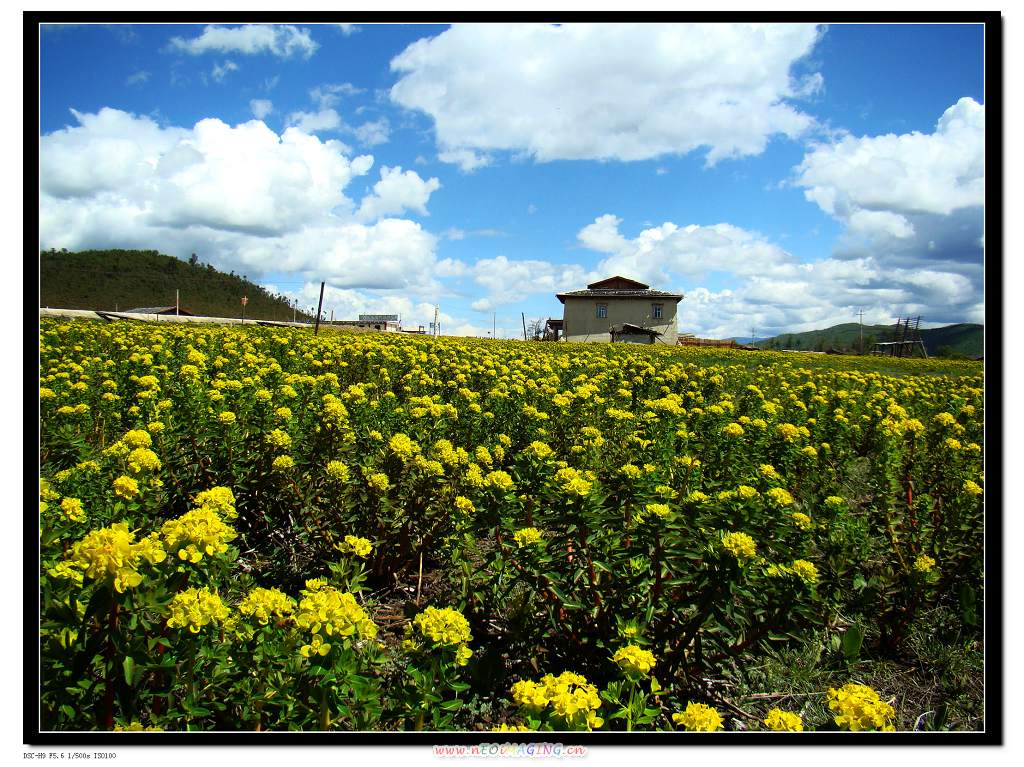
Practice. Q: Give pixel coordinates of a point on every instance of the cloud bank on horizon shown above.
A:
(773, 179)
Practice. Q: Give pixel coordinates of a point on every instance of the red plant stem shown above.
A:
(108, 697)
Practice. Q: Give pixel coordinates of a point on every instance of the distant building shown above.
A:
(384, 326)
(553, 330)
(619, 310)
(161, 310)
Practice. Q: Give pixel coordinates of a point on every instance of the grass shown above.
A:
(936, 684)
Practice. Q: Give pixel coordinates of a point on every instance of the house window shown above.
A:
(656, 311)
(602, 311)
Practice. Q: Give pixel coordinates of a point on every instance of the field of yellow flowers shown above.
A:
(262, 529)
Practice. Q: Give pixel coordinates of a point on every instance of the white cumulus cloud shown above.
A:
(397, 192)
(242, 196)
(373, 132)
(313, 122)
(329, 94)
(282, 40)
(220, 71)
(509, 280)
(935, 173)
(689, 250)
(606, 91)
(261, 107)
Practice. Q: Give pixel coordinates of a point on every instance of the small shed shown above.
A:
(553, 330)
(627, 333)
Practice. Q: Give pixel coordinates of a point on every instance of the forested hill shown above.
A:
(961, 340)
(126, 279)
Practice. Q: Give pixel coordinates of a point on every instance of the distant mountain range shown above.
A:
(112, 280)
(961, 340)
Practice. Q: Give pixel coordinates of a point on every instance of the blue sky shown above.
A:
(781, 177)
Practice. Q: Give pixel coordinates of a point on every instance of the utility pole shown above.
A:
(295, 308)
(319, 306)
(175, 302)
(524, 325)
(860, 314)
(494, 325)
(437, 330)
(332, 316)
(245, 300)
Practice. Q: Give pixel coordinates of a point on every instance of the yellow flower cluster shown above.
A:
(801, 568)
(924, 563)
(264, 604)
(112, 555)
(528, 536)
(126, 487)
(740, 545)
(659, 510)
(282, 463)
(195, 608)
(336, 613)
(858, 707)
(402, 446)
(805, 571)
(463, 505)
(570, 697)
(634, 660)
(337, 471)
(137, 438)
(443, 628)
(73, 509)
(143, 459)
(630, 471)
(783, 721)
(219, 499)
(780, 497)
(449, 455)
(378, 481)
(279, 439)
(539, 450)
(197, 533)
(572, 482)
(732, 430)
(352, 544)
(500, 480)
(787, 431)
(698, 717)
(802, 520)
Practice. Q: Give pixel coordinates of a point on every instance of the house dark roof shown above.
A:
(607, 293)
(617, 283)
(618, 287)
